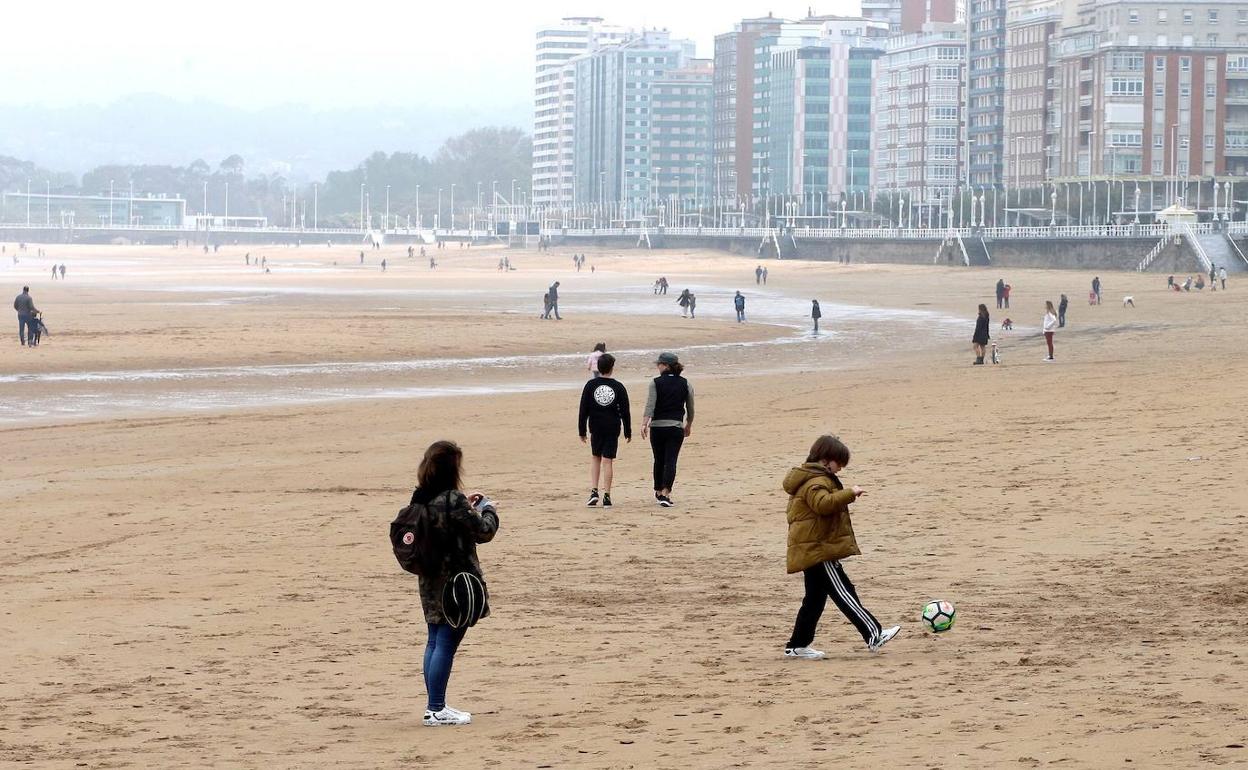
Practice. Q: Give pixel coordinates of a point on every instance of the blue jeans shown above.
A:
(439, 657)
(25, 326)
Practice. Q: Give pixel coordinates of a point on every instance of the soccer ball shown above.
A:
(938, 615)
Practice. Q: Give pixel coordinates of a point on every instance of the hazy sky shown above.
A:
(263, 53)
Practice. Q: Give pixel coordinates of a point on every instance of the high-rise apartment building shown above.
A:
(554, 102)
(642, 124)
(985, 95)
(1029, 152)
(780, 158)
(734, 85)
(1154, 90)
(918, 127)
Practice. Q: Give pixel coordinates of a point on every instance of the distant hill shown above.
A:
(296, 141)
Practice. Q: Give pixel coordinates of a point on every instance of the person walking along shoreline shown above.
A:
(667, 422)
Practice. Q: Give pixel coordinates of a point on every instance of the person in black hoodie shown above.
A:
(604, 409)
(668, 422)
(449, 525)
(980, 340)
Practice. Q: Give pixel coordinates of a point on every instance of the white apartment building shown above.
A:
(555, 102)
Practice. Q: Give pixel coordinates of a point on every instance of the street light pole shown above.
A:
(316, 203)
(361, 207)
(437, 221)
(386, 225)
(452, 212)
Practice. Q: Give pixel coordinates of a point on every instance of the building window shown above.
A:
(1159, 141)
(1159, 64)
(1188, 16)
(1126, 86)
(1157, 168)
(1241, 16)
(1213, 15)
(1211, 90)
(1159, 88)
(1162, 16)
(1185, 90)
(1133, 17)
(1185, 64)
(1208, 141)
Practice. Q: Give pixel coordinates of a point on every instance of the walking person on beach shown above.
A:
(758, 274)
(980, 341)
(738, 302)
(591, 363)
(821, 535)
(1061, 312)
(63, 274)
(604, 411)
(438, 535)
(1050, 326)
(815, 314)
(554, 301)
(1096, 289)
(1000, 293)
(693, 305)
(24, 304)
(545, 306)
(683, 301)
(1221, 275)
(667, 422)
(764, 276)
(383, 265)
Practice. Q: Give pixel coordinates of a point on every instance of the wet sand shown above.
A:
(214, 587)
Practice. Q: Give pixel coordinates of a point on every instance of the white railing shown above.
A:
(1237, 228)
(1080, 231)
(1235, 248)
(1153, 254)
(1189, 231)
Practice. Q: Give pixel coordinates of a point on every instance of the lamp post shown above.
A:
(110, 200)
(419, 223)
(1053, 207)
(316, 203)
(110, 203)
(361, 207)
(47, 202)
(437, 220)
(227, 202)
(386, 225)
(452, 211)
(1137, 203)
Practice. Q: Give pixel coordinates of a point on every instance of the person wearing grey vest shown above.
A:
(668, 421)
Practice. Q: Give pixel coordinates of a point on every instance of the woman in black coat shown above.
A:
(980, 340)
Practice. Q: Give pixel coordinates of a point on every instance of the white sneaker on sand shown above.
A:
(885, 635)
(804, 653)
(447, 716)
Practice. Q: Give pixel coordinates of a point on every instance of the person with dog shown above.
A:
(667, 422)
(979, 342)
(447, 526)
(1049, 326)
(604, 410)
(554, 301)
(24, 304)
(821, 536)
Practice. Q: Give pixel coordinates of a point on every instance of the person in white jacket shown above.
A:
(1050, 326)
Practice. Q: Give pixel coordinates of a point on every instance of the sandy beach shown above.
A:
(202, 462)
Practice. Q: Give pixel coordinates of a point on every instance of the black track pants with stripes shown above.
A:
(824, 580)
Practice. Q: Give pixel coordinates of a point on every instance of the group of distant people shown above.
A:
(1216, 275)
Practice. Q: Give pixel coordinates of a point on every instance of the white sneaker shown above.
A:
(457, 711)
(885, 635)
(805, 653)
(447, 717)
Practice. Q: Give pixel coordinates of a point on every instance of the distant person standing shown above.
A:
(1005, 294)
(1050, 326)
(383, 265)
(54, 272)
(1000, 293)
(764, 276)
(738, 302)
(815, 313)
(63, 273)
(591, 363)
(758, 274)
(1061, 312)
(980, 341)
(668, 421)
(24, 304)
(1096, 289)
(361, 257)
(1213, 276)
(554, 300)
(604, 411)
(1221, 275)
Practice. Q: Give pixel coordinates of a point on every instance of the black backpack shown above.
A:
(406, 531)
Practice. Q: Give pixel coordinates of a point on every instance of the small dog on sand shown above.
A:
(1128, 301)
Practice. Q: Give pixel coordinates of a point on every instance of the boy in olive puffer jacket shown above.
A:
(820, 536)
